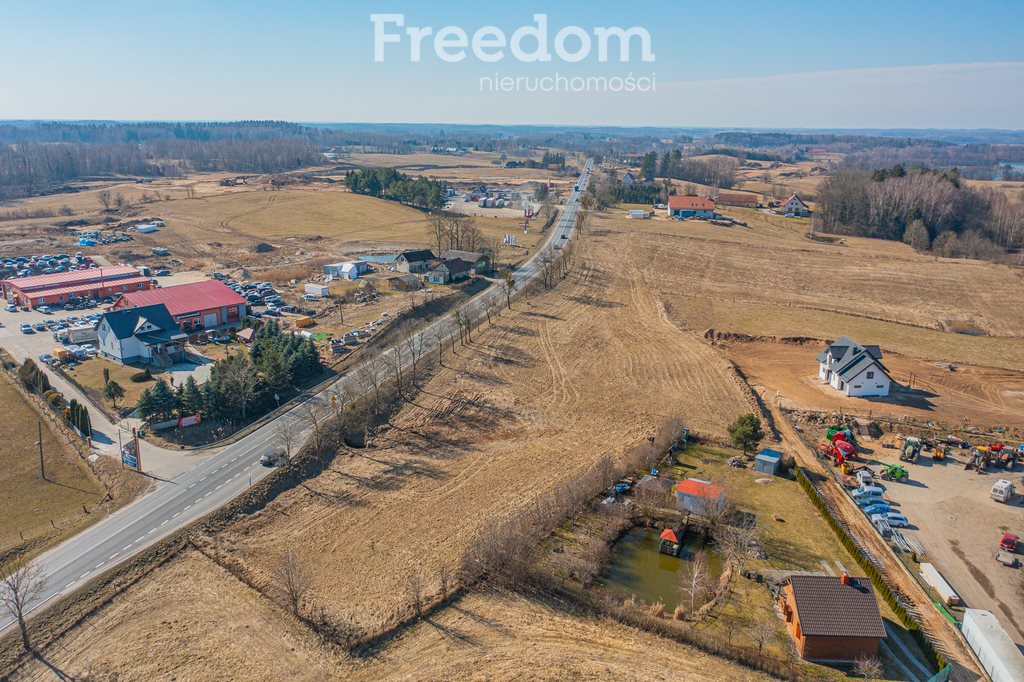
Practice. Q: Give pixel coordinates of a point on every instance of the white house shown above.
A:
(146, 334)
(856, 370)
(347, 270)
(796, 206)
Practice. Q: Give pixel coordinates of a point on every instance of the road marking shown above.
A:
(191, 486)
(68, 586)
(188, 507)
(113, 556)
(165, 522)
(127, 547)
(99, 565)
(219, 487)
(204, 478)
(176, 515)
(150, 531)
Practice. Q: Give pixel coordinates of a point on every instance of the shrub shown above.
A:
(140, 377)
(263, 247)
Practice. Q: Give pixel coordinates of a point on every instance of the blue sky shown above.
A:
(780, 64)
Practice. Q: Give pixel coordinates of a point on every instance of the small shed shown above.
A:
(636, 214)
(246, 335)
(316, 289)
(698, 497)
(768, 462)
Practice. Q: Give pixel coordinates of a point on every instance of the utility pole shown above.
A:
(42, 468)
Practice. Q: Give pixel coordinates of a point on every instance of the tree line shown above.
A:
(241, 384)
(929, 209)
(387, 183)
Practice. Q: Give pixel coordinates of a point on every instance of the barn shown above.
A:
(690, 207)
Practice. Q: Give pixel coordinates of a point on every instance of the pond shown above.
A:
(379, 258)
(639, 568)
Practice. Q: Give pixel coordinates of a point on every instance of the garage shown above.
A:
(210, 320)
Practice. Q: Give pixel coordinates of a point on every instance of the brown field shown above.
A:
(549, 388)
(470, 167)
(27, 503)
(980, 395)
(769, 279)
(588, 369)
(155, 631)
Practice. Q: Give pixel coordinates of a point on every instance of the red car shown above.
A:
(1009, 542)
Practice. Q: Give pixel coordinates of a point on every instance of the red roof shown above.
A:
(185, 298)
(132, 282)
(692, 486)
(74, 277)
(670, 535)
(688, 203)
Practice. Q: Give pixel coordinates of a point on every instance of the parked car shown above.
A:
(310, 297)
(39, 326)
(877, 508)
(46, 358)
(45, 309)
(867, 491)
(869, 500)
(89, 348)
(11, 308)
(894, 519)
(162, 273)
(273, 312)
(26, 328)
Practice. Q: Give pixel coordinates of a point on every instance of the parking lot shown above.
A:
(953, 517)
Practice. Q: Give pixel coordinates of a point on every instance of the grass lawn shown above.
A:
(27, 503)
(89, 375)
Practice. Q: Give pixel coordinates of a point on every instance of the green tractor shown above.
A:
(894, 472)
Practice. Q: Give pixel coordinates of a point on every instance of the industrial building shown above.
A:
(61, 287)
(197, 306)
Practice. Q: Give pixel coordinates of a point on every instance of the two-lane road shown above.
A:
(216, 481)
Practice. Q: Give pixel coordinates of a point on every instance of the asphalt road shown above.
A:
(222, 477)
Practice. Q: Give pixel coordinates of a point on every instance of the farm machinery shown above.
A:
(997, 455)
(839, 445)
(894, 472)
(911, 449)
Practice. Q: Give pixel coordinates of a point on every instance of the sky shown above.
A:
(782, 64)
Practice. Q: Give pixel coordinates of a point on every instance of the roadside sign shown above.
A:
(190, 420)
(129, 461)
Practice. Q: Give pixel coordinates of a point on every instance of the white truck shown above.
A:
(998, 654)
(1003, 491)
(317, 290)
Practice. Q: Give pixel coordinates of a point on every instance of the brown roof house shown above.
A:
(831, 618)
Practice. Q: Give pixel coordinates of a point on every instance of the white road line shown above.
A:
(127, 547)
(150, 531)
(176, 515)
(219, 487)
(113, 556)
(165, 522)
(188, 507)
(204, 478)
(68, 586)
(99, 565)
(191, 486)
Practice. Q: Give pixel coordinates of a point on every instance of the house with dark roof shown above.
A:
(628, 179)
(854, 369)
(414, 261)
(449, 271)
(831, 618)
(146, 334)
(480, 262)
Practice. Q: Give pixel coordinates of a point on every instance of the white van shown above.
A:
(45, 309)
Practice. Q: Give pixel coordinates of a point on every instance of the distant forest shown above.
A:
(929, 209)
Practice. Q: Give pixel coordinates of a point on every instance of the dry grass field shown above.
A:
(153, 632)
(27, 503)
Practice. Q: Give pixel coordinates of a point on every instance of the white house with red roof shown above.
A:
(794, 205)
(690, 206)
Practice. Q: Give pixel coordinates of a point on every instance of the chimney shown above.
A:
(845, 579)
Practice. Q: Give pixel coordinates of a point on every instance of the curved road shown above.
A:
(224, 476)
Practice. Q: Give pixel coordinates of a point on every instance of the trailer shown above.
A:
(932, 576)
(317, 290)
(1000, 657)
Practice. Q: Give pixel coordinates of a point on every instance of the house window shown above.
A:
(871, 375)
(856, 385)
(124, 288)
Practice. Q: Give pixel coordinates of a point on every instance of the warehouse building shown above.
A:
(197, 306)
(61, 287)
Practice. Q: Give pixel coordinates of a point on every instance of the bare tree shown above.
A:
(240, 380)
(460, 322)
(416, 347)
(508, 283)
(763, 632)
(369, 379)
(21, 586)
(287, 436)
(440, 332)
(105, 198)
(867, 667)
(444, 574)
(393, 361)
(737, 541)
(696, 580)
(293, 579)
(120, 201)
(414, 590)
(313, 412)
(190, 192)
